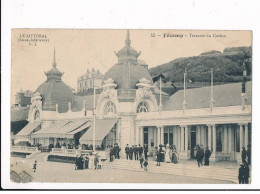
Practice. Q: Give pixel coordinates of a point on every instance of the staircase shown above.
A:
(190, 170)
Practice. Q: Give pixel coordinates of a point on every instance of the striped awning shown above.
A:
(63, 129)
(28, 129)
(103, 127)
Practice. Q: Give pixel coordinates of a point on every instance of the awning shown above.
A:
(103, 127)
(63, 130)
(50, 129)
(82, 128)
(28, 129)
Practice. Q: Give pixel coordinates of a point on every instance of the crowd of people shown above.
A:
(88, 161)
(114, 152)
(136, 151)
(202, 155)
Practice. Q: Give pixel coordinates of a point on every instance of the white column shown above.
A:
(158, 136)
(162, 135)
(137, 135)
(246, 135)
(175, 142)
(179, 139)
(241, 137)
(229, 139)
(202, 136)
(225, 139)
(186, 138)
(141, 129)
(209, 137)
(154, 137)
(182, 138)
(214, 139)
(198, 135)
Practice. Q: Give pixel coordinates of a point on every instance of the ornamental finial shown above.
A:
(127, 40)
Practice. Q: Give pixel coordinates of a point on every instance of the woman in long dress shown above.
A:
(167, 154)
(174, 156)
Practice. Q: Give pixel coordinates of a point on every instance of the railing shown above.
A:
(69, 151)
(61, 151)
(24, 149)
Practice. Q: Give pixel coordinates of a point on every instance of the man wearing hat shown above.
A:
(136, 152)
(241, 174)
(243, 155)
(127, 151)
(145, 150)
(207, 156)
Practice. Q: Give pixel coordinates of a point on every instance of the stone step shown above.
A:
(180, 166)
(179, 169)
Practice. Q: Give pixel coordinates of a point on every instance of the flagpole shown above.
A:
(212, 101)
(94, 116)
(184, 92)
(211, 84)
(160, 93)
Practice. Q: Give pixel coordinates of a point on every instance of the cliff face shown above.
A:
(227, 65)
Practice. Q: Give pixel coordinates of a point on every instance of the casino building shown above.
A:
(130, 109)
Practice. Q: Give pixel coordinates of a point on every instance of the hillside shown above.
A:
(227, 65)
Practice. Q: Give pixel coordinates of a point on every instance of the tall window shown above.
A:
(109, 108)
(37, 115)
(143, 107)
(219, 140)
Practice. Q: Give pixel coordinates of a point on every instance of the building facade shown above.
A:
(132, 110)
(89, 79)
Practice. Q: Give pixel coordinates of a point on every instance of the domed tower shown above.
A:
(54, 91)
(127, 90)
(127, 72)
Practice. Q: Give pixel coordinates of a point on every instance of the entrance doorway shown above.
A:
(193, 141)
(145, 136)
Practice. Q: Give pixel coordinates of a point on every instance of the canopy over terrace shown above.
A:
(25, 133)
(70, 129)
(103, 129)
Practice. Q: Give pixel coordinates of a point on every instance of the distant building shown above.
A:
(87, 80)
(23, 98)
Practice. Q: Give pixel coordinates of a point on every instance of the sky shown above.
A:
(78, 50)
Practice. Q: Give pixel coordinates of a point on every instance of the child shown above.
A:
(145, 165)
(34, 166)
(141, 161)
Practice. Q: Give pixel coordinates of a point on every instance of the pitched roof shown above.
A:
(78, 102)
(224, 95)
(19, 114)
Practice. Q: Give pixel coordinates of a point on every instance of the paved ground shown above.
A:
(62, 172)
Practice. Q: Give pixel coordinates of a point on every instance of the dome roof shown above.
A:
(127, 74)
(129, 70)
(54, 91)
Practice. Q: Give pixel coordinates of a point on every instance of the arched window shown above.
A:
(143, 107)
(36, 115)
(109, 108)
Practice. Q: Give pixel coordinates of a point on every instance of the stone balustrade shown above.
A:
(24, 149)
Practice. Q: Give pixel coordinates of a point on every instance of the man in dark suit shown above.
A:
(246, 173)
(141, 150)
(241, 174)
(207, 156)
(243, 154)
(145, 151)
(248, 154)
(136, 152)
(127, 151)
(131, 152)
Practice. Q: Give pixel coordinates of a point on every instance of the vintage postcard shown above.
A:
(131, 106)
